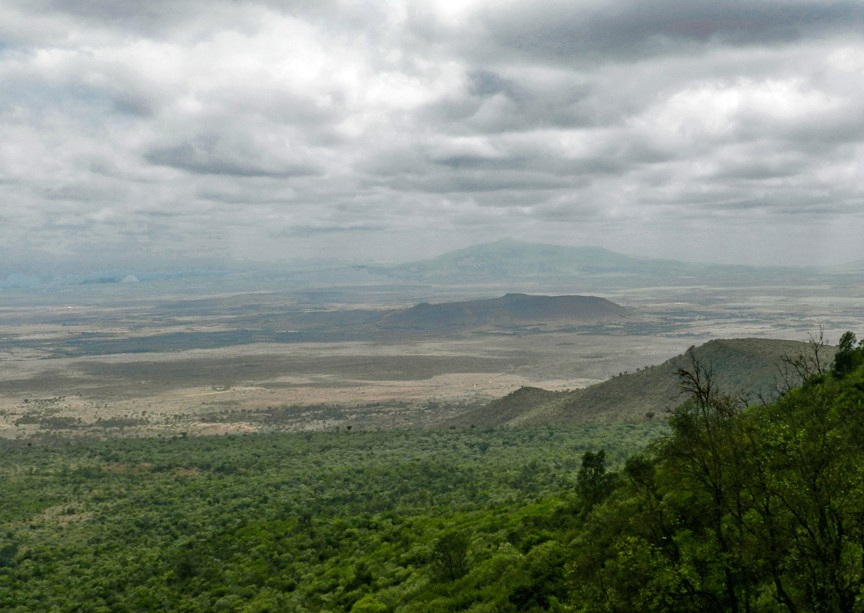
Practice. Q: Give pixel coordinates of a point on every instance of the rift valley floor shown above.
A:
(157, 359)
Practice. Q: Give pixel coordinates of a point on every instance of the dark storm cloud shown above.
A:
(486, 83)
(632, 30)
(135, 16)
(207, 157)
(476, 182)
(760, 170)
(496, 106)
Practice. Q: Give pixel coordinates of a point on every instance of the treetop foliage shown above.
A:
(740, 508)
(849, 355)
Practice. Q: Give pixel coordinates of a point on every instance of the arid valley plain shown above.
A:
(233, 353)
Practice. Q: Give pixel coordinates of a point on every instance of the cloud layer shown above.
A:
(187, 130)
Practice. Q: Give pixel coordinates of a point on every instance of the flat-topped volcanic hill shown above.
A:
(507, 310)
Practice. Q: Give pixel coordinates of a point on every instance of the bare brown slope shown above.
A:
(749, 366)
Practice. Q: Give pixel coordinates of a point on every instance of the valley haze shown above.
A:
(422, 344)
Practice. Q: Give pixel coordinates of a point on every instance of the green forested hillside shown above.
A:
(725, 507)
(292, 522)
(738, 509)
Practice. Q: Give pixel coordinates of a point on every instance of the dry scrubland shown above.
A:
(256, 362)
(304, 386)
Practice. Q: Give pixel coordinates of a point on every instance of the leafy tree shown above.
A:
(593, 483)
(369, 604)
(450, 556)
(738, 509)
(848, 356)
(8, 549)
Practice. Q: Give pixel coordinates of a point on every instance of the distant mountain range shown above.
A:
(509, 258)
(514, 265)
(748, 366)
(500, 263)
(512, 259)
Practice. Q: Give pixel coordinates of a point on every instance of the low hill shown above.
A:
(749, 366)
(507, 310)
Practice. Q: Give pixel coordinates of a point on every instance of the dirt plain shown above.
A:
(135, 362)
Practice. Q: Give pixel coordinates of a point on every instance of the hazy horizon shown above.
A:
(37, 274)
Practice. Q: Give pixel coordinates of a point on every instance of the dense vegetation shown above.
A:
(725, 508)
(738, 509)
(416, 520)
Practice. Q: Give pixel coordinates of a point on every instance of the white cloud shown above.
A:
(338, 125)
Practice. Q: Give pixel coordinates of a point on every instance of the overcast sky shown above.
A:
(175, 130)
